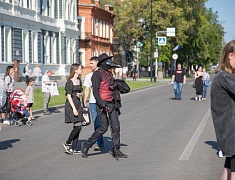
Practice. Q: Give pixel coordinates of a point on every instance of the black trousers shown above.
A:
(114, 123)
(26, 79)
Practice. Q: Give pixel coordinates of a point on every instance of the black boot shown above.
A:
(84, 150)
(118, 154)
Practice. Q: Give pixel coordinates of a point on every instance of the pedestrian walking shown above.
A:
(73, 110)
(107, 106)
(26, 73)
(9, 86)
(134, 73)
(46, 84)
(206, 83)
(198, 76)
(37, 72)
(30, 97)
(178, 79)
(92, 102)
(222, 108)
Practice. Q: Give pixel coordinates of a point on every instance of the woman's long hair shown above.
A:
(224, 63)
(7, 73)
(73, 68)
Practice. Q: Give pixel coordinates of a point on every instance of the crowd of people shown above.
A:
(8, 86)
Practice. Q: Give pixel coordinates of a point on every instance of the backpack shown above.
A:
(207, 81)
(24, 70)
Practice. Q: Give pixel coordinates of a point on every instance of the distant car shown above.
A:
(212, 68)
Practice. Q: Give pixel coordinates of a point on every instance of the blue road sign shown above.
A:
(161, 41)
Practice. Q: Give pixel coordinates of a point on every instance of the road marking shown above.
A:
(189, 148)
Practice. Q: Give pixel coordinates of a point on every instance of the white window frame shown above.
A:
(111, 34)
(68, 51)
(82, 57)
(25, 46)
(47, 48)
(7, 45)
(101, 29)
(96, 27)
(54, 50)
(107, 30)
(34, 47)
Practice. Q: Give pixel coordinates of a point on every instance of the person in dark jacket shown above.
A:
(222, 108)
(108, 106)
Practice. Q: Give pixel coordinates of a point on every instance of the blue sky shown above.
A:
(225, 9)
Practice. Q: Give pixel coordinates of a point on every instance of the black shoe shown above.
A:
(119, 154)
(84, 150)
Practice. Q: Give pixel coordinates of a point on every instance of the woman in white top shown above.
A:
(37, 72)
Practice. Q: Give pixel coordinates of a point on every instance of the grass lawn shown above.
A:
(58, 100)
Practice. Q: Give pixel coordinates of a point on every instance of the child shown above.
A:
(30, 97)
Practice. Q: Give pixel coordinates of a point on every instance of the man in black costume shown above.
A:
(108, 104)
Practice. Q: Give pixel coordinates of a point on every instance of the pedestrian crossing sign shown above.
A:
(161, 41)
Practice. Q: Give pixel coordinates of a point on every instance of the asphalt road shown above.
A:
(165, 139)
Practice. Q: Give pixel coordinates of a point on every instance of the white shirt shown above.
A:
(88, 83)
(26, 70)
(37, 71)
(45, 87)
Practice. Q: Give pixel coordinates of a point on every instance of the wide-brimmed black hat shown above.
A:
(102, 58)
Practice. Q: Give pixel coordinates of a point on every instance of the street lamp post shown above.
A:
(151, 37)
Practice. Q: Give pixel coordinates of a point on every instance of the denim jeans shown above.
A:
(36, 80)
(204, 91)
(96, 121)
(178, 89)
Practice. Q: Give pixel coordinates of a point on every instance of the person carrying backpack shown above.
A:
(206, 83)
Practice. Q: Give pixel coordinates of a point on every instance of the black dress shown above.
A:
(73, 90)
(199, 85)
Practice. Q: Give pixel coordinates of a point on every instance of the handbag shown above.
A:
(122, 86)
(194, 86)
(86, 117)
(54, 90)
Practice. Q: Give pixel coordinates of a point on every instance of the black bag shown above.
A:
(24, 70)
(194, 86)
(122, 86)
(86, 117)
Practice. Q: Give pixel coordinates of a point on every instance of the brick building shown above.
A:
(96, 26)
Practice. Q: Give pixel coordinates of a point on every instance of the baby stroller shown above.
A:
(18, 108)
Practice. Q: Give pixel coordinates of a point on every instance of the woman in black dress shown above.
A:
(198, 83)
(73, 111)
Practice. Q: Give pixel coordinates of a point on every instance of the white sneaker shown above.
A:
(7, 122)
(220, 154)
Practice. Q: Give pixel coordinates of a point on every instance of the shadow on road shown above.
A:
(7, 144)
(213, 144)
(108, 145)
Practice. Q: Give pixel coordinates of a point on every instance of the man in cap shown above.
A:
(108, 111)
